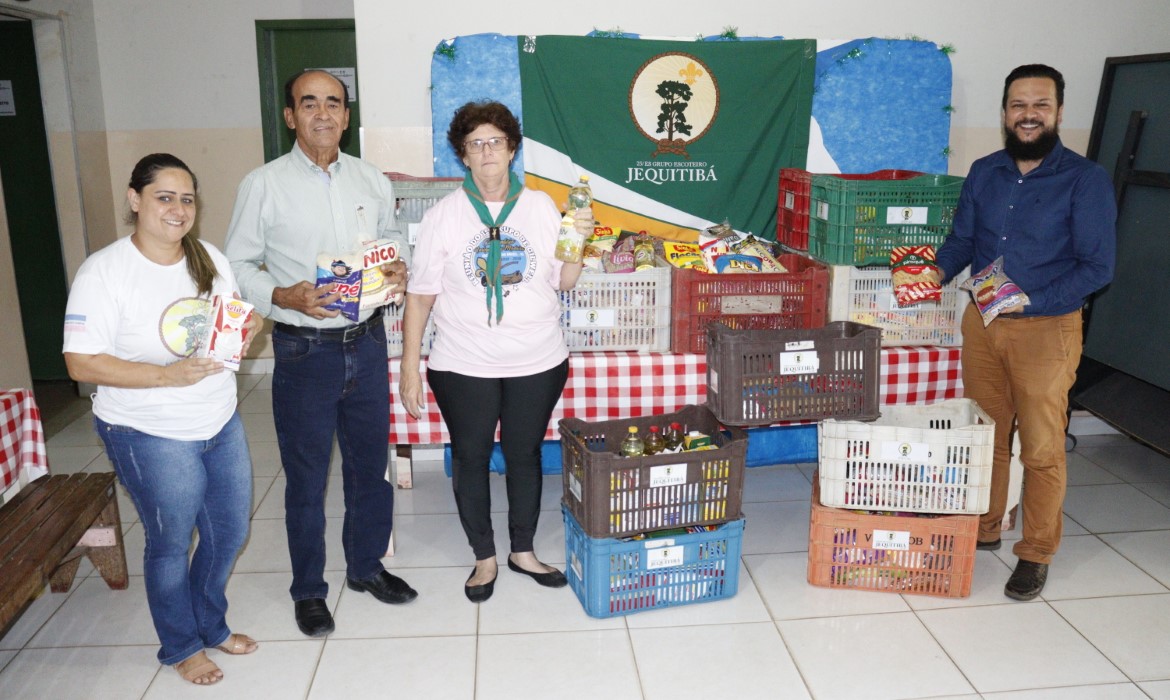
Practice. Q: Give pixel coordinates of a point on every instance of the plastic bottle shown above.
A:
(654, 443)
(570, 241)
(581, 197)
(673, 437)
(632, 445)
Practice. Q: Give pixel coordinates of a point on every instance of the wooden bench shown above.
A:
(44, 531)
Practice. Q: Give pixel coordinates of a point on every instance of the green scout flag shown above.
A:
(675, 135)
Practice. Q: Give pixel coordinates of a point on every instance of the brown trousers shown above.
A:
(1020, 370)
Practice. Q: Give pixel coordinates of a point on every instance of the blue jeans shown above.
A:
(322, 388)
(179, 486)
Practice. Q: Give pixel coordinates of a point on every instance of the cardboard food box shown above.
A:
(226, 331)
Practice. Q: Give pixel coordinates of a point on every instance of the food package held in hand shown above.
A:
(994, 291)
(227, 329)
(346, 271)
(912, 267)
(376, 290)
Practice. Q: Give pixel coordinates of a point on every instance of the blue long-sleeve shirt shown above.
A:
(1055, 228)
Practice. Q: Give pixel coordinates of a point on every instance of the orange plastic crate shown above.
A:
(924, 555)
(798, 298)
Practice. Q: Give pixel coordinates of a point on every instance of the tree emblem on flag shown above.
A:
(674, 100)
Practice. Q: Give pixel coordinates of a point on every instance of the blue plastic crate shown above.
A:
(614, 577)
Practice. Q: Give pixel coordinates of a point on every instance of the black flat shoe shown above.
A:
(552, 579)
(478, 594)
(386, 587)
(313, 617)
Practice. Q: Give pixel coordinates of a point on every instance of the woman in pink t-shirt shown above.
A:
(484, 266)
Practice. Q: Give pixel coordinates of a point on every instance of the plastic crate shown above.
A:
(613, 577)
(793, 201)
(858, 222)
(764, 377)
(760, 300)
(628, 311)
(393, 321)
(923, 459)
(614, 496)
(924, 555)
(866, 295)
(415, 195)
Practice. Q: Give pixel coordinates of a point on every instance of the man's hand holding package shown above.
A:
(307, 299)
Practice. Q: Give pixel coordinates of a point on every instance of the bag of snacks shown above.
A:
(993, 291)
(912, 267)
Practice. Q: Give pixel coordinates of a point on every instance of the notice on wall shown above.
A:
(7, 102)
(347, 76)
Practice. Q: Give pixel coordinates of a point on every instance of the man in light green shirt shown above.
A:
(331, 376)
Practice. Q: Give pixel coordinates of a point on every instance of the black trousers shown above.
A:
(471, 408)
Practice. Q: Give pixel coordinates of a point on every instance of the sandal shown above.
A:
(238, 644)
(199, 669)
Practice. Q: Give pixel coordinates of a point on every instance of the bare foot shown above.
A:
(485, 572)
(199, 669)
(529, 562)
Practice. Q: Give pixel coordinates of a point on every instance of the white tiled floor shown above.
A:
(1100, 630)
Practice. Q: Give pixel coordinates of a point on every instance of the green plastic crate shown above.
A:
(858, 222)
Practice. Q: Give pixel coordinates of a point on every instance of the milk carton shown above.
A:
(226, 331)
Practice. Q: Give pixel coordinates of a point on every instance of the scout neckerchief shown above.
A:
(492, 273)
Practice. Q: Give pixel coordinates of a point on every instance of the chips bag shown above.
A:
(346, 271)
(911, 268)
(993, 291)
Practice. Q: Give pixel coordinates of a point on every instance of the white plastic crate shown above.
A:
(924, 459)
(619, 311)
(415, 196)
(393, 320)
(866, 295)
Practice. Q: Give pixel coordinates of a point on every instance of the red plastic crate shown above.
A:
(751, 301)
(793, 201)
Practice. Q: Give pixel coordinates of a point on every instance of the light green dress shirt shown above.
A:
(290, 210)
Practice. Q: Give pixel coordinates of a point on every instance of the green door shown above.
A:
(32, 210)
(287, 47)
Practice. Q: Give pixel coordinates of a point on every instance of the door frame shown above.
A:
(272, 109)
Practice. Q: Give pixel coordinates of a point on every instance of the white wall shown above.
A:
(395, 42)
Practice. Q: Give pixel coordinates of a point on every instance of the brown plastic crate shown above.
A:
(925, 555)
(798, 298)
(765, 377)
(615, 496)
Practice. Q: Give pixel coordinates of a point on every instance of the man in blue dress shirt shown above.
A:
(1050, 214)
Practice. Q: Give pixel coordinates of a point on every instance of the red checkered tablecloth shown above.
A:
(22, 442)
(615, 385)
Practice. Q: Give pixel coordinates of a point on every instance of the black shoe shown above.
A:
(990, 545)
(552, 579)
(1026, 581)
(478, 594)
(386, 587)
(313, 617)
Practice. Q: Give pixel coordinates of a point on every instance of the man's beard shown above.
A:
(1030, 150)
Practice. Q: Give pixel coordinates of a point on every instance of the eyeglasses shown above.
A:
(495, 143)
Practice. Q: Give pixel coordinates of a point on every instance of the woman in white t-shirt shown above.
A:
(485, 266)
(168, 419)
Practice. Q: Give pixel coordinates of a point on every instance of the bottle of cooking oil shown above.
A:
(632, 445)
(654, 442)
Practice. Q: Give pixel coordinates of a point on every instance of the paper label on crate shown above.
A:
(800, 345)
(751, 304)
(789, 200)
(664, 556)
(823, 210)
(891, 539)
(902, 451)
(906, 215)
(668, 475)
(575, 486)
(412, 233)
(575, 566)
(800, 362)
(713, 379)
(592, 318)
